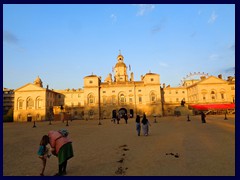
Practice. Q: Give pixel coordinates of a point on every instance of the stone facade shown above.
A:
(118, 93)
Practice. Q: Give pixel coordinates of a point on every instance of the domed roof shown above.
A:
(38, 80)
(120, 64)
(120, 57)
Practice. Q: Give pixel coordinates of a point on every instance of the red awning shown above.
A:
(212, 106)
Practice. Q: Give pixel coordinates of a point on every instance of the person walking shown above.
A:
(126, 118)
(43, 152)
(138, 125)
(203, 116)
(62, 148)
(145, 125)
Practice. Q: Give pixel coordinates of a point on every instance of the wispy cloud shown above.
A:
(230, 70)
(9, 37)
(144, 8)
(163, 64)
(113, 17)
(214, 57)
(212, 18)
(159, 26)
(157, 29)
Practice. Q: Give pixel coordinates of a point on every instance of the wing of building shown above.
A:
(118, 94)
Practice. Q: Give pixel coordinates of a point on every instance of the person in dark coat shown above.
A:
(203, 116)
(138, 125)
(126, 118)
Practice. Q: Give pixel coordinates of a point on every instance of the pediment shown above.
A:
(29, 87)
(212, 80)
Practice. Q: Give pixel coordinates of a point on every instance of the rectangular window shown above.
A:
(130, 100)
(177, 100)
(113, 91)
(139, 90)
(176, 92)
(222, 96)
(104, 92)
(152, 79)
(140, 99)
(183, 92)
(130, 90)
(170, 92)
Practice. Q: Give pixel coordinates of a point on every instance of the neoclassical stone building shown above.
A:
(118, 93)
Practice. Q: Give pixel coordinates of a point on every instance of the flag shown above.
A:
(112, 69)
(129, 67)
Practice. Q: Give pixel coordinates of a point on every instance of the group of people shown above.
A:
(61, 147)
(118, 118)
(145, 125)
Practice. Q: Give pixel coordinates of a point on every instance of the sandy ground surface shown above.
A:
(116, 150)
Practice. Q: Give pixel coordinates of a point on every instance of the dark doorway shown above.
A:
(131, 113)
(122, 111)
(29, 118)
(114, 114)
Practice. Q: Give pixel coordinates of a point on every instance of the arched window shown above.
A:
(213, 95)
(20, 104)
(121, 98)
(90, 99)
(30, 103)
(153, 97)
(39, 103)
(204, 93)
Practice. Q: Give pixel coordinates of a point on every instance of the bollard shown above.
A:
(50, 123)
(225, 117)
(155, 120)
(67, 123)
(188, 118)
(34, 124)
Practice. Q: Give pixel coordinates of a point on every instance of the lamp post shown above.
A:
(226, 116)
(34, 124)
(67, 119)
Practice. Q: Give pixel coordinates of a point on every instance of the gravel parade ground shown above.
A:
(174, 147)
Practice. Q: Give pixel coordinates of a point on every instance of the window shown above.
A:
(20, 104)
(177, 99)
(176, 92)
(113, 91)
(232, 88)
(30, 103)
(140, 99)
(170, 92)
(121, 98)
(130, 90)
(152, 79)
(90, 82)
(183, 92)
(39, 103)
(113, 100)
(139, 90)
(104, 91)
(153, 97)
(130, 100)
(90, 99)
(104, 100)
(222, 95)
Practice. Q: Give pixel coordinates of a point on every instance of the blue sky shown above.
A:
(64, 43)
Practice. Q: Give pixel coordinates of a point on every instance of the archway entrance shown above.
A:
(122, 111)
(29, 118)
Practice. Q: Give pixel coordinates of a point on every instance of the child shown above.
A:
(43, 152)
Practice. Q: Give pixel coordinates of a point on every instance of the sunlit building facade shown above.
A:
(119, 93)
